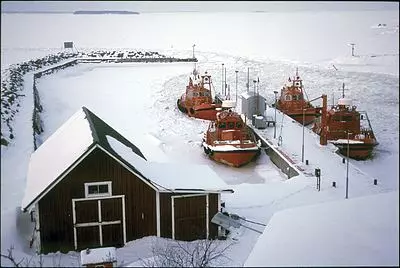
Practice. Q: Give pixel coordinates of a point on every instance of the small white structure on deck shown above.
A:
(253, 104)
(99, 257)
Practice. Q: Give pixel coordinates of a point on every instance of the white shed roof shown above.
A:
(98, 255)
(56, 154)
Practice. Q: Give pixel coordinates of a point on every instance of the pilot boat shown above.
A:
(347, 128)
(229, 140)
(292, 103)
(197, 100)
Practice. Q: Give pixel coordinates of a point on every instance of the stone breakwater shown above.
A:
(13, 87)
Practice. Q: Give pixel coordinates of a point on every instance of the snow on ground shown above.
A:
(139, 100)
(335, 236)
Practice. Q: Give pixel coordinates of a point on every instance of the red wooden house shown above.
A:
(88, 186)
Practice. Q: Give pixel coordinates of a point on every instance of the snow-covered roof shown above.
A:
(63, 148)
(170, 176)
(358, 231)
(98, 255)
(248, 94)
(56, 154)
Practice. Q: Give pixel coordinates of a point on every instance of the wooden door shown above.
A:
(190, 217)
(99, 222)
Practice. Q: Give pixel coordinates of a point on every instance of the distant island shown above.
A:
(85, 12)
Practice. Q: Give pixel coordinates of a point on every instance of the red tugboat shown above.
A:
(346, 128)
(197, 101)
(229, 140)
(291, 102)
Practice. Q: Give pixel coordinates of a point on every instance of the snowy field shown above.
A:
(139, 100)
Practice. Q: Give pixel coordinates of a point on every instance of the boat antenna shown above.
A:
(297, 73)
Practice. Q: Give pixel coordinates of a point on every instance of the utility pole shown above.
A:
(302, 145)
(276, 94)
(347, 169)
(352, 48)
(222, 81)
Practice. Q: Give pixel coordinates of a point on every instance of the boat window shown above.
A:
(238, 125)
(299, 97)
(231, 124)
(347, 118)
(222, 125)
(201, 94)
(195, 94)
(206, 94)
(294, 97)
(288, 97)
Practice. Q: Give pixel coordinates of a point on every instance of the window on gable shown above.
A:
(96, 189)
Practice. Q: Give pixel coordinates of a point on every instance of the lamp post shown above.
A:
(222, 80)
(193, 50)
(276, 94)
(302, 144)
(347, 169)
(236, 84)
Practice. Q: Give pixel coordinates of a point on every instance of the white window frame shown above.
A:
(87, 184)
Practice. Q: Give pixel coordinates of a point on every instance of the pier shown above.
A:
(285, 151)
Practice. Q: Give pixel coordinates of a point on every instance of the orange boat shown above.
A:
(350, 130)
(197, 101)
(291, 102)
(229, 140)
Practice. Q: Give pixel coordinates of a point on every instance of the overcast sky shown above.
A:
(170, 6)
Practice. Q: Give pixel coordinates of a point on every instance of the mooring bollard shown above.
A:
(375, 181)
(343, 160)
(307, 162)
(334, 184)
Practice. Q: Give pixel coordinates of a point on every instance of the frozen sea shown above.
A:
(272, 45)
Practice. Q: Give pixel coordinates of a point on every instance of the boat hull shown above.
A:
(309, 116)
(233, 158)
(205, 111)
(358, 151)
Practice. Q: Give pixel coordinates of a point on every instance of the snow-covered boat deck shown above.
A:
(331, 164)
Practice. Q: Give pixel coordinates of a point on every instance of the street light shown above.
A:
(222, 81)
(302, 145)
(347, 169)
(276, 94)
(193, 50)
